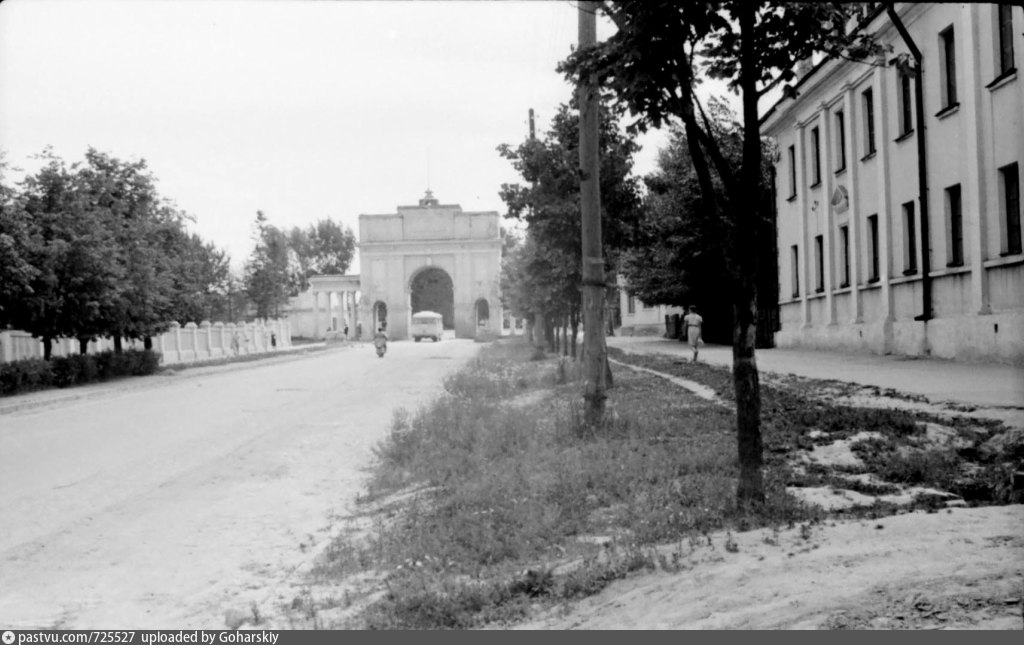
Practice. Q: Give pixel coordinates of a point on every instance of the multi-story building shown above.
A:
(899, 222)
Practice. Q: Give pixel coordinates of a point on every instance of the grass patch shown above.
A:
(519, 504)
(495, 498)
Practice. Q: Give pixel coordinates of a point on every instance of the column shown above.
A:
(882, 156)
(316, 314)
(828, 220)
(801, 205)
(853, 219)
(976, 187)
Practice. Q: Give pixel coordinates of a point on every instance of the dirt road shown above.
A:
(169, 504)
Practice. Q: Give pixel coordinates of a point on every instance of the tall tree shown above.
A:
(124, 197)
(16, 271)
(651, 65)
(549, 203)
(73, 253)
(267, 276)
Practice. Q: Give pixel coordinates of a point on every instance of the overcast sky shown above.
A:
(302, 109)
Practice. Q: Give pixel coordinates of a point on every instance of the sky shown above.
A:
(304, 109)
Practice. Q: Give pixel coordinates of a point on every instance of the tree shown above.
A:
(16, 272)
(124, 198)
(267, 276)
(677, 256)
(76, 279)
(549, 204)
(325, 247)
(651, 66)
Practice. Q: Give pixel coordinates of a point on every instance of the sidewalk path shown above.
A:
(990, 385)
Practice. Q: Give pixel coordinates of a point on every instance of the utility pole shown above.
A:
(595, 352)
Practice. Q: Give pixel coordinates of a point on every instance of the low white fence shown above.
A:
(189, 344)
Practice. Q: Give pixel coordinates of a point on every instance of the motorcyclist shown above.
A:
(380, 341)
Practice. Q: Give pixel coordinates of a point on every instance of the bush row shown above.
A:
(67, 371)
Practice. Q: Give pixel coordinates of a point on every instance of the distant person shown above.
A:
(346, 331)
(693, 323)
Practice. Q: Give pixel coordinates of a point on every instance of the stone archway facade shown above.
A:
(394, 248)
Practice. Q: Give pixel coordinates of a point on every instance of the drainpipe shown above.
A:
(922, 167)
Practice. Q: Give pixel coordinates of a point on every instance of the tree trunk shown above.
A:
(565, 335)
(745, 210)
(83, 346)
(148, 343)
(117, 344)
(47, 347)
(575, 330)
(528, 330)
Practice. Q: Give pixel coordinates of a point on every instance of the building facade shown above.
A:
(640, 318)
(887, 250)
(433, 257)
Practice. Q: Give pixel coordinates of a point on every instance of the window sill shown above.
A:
(840, 171)
(946, 111)
(1002, 79)
(910, 271)
(1004, 260)
(950, 270)
(954, 265)
(815, 184)
(874, 280)
(791, 198)
(874, 283)
(870, 155)
(903, 137)
(905, 279)
(1010, 254)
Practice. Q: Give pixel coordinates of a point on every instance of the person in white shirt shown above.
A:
(693, 322)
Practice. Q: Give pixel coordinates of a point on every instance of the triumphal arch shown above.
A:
(430, 257)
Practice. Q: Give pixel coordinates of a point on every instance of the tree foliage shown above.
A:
(542, 275)
(95, 251)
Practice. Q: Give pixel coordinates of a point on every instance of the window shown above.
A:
(631, 304)
(844, 241)
(873, 247)
(792, 172)
(869, 121)
(840, 143)
(909, 240)
(795, 264)
(947, 67)
(906, 105)
(815, 157)
(1005, 39)
(1009, 177)
(819, 263)
(955, 227)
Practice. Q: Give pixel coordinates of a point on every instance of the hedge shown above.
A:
(67, 371)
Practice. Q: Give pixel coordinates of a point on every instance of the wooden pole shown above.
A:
(595, 352)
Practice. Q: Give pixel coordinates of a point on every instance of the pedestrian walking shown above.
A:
(693, 323)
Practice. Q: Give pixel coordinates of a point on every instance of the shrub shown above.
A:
(68, 371)
(25, 376)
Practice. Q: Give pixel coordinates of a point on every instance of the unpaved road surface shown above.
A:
(168, 504)
(956, 569)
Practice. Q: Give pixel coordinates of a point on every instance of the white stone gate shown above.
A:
(396, 248)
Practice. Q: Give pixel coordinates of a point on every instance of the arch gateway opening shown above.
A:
(432, 257)
(432, 290)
